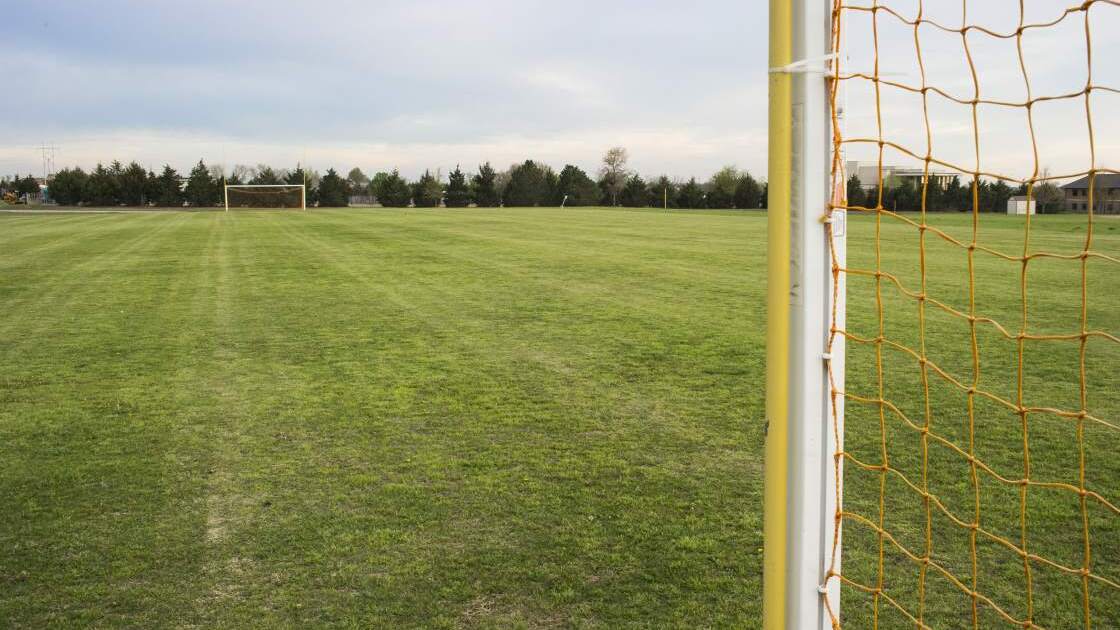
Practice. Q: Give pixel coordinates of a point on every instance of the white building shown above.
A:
(1019, 205)
(868, 174)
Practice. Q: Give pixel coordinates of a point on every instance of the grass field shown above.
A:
(489, 418)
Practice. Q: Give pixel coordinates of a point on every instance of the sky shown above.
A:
(420, 84)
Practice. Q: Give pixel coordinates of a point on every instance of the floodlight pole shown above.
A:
(801, 498)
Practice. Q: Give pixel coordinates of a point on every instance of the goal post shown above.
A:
(265, 196)
(806, 236)
(941, 398)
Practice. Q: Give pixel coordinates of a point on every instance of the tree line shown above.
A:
(529, 183)
(990, 196)
(133, 185)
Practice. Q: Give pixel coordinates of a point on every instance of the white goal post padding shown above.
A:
(267, 195)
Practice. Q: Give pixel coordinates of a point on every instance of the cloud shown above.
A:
(425, 83)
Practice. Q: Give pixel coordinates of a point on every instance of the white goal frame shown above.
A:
(302, 192)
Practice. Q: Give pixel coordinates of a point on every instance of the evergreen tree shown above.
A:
(999, 193)
(871, 199)
(663, 192)
(577, 186)
(170, 191)
(202, 190)
(132, 182)
(307, 179)
(854, 191)
(101, 187)
(765, 201)
(68, 186)
(458, 191)
(690, 195)
(634, 194)
(747, 192)
(392, 191)
(427, 192)
(27, 186)
(334, 192)
(530, 184)
(484, 187)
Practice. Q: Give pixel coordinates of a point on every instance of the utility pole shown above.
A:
(47, 152)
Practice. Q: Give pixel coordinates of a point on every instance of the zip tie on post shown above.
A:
(807, 66)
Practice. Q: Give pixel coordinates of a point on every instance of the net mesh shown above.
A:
(278, 196)
(979, 469)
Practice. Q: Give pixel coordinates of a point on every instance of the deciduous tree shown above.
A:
(613, 172)
(357, 181)
(721, 188)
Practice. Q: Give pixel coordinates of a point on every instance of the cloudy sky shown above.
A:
(430, 83)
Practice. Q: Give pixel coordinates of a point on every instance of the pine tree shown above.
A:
(530, 184)
(68, 186)
(855, 193)
(577, 187)
(170, 191)
(663, 192)
(634, 194)
(299, 177)
(484, 187)
(747, 192)
(101, 187)
(427, 192)
(334, 192)
(690, 195)
(458, 192)
(202, 190)
(391, 190)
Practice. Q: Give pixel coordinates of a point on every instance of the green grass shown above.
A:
(480, 418)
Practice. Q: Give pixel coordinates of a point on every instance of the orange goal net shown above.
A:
(977, 423)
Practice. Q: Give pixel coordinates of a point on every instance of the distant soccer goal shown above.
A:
(265, 196)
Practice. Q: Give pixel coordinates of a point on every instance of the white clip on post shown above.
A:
(807, 66)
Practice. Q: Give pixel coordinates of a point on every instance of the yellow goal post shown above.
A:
(800, 476)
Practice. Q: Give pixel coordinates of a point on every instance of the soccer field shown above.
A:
(493, 418)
